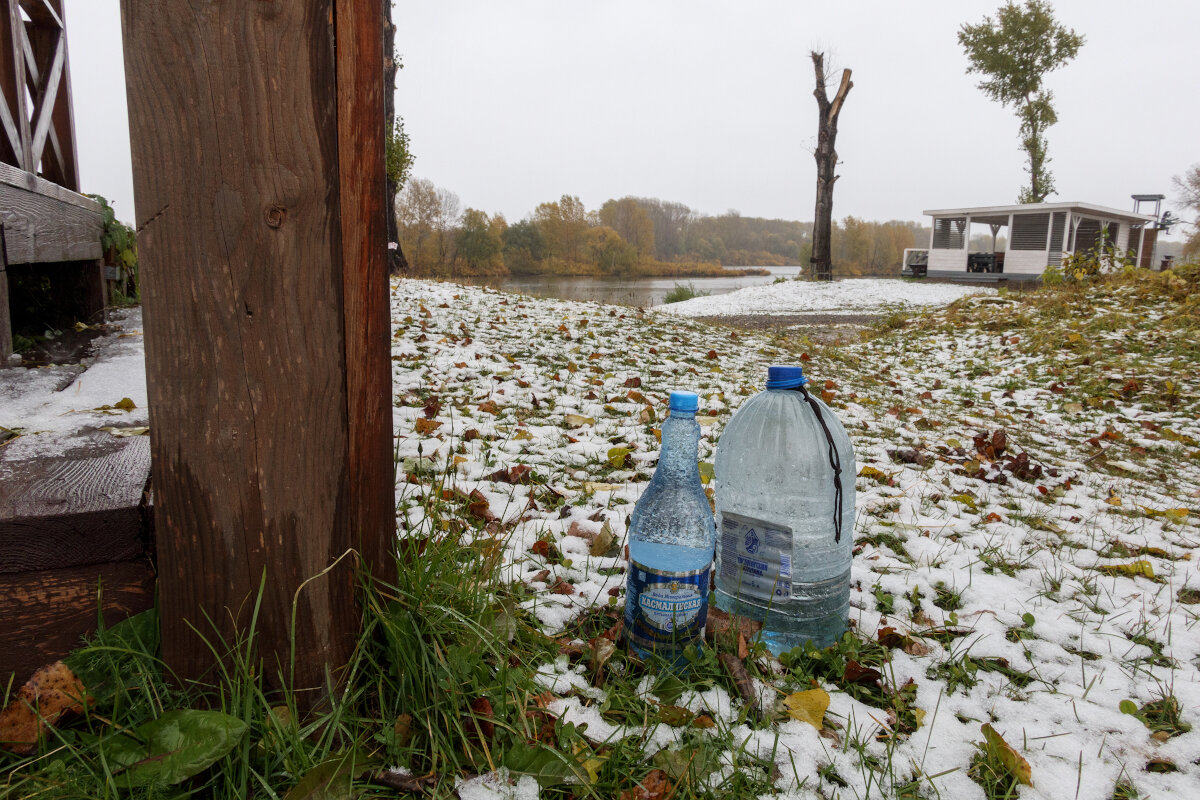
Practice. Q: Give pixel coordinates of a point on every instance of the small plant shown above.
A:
(120, 250)
(683, 292)
(1161, 716)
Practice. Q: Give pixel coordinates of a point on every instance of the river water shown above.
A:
(643, 292)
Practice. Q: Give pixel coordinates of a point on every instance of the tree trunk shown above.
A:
(397, 263)
(259, 174)
(826, 157)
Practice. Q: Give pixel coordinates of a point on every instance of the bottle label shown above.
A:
(666, 610)
(756, 558)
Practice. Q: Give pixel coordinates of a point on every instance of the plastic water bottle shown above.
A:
(785, 515)
(671, 539)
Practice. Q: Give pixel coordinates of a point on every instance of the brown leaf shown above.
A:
(654, 786)
(675, 716)
(857, 673)
(517, 474)
(489, 407)
(432, 407)
(562, 587)
(479, 507)
(52, 692)
(427, 426)
(633, 383)
(470, 435)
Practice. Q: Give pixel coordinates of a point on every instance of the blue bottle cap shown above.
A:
(785, 377)
(687, 402)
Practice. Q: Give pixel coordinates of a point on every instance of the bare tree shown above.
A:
(826, 156)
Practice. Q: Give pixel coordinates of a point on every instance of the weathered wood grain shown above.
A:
(363, 190)
(78, 508)
(5, 318)
(46, 613)
(42, 226)
(239, 196)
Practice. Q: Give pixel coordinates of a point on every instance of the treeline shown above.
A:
(629, 236)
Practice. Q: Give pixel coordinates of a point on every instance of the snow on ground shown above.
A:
(1034, 594)
(55, 408)
(848, 296)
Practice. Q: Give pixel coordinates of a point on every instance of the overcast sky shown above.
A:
(710, 104)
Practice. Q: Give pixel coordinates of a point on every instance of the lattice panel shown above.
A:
(36, 128)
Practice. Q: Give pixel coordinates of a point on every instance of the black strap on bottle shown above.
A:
(835, 461)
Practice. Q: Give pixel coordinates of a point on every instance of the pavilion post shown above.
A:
(258, 153)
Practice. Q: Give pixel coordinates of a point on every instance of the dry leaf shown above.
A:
(1010, 758)
(654, 786)
(52, 692)
(427, 426)
(602, 542)
(808, 706)
(1132, 570)
(577, 420)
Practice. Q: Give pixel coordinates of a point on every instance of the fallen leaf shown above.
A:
(1017, 766)
(808, 706)
(1133, 569)
(427, 426)
(489, 407)
(654, 786)
(602, 542)
(577, 420)
(50, 693)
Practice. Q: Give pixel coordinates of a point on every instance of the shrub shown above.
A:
(682, 292)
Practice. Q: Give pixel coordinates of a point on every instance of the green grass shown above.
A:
(683, 292)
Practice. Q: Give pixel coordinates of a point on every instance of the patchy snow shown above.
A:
(847, 296)
(55, 408)
(1074, 584)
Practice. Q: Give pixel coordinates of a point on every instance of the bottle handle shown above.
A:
(835, 461)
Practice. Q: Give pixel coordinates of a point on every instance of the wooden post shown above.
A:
(257, 139)
(826, 157)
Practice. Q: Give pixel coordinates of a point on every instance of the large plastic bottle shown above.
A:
(671, 539)
(783, 548)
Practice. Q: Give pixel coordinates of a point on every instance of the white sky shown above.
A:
(514, 103)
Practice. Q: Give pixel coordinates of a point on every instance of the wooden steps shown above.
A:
(75, 541)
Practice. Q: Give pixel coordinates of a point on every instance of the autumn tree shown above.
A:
(563, 226)
(629, 219)
(609, 250)
(479, 243)
(826, 157)
(1188, 185)
(1014, 52)
(523, 246)
(415, 213)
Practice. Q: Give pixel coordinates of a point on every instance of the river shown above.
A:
(643, 292)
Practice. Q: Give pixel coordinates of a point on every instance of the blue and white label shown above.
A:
(756, 558)
(666, 611)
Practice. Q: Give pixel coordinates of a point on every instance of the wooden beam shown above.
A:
(259, 404)
(47, 613)
(362, 177)
(12, 80)
(5, 317)
(44, 222)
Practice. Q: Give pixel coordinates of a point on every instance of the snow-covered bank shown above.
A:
(850, 296)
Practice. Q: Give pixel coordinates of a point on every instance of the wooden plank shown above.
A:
(62, 129)
(5, 317)
(20, 179)
(246, 356)
(78, 508)
(43, 228)
(47, 613)
(362, 177)
(12, 79)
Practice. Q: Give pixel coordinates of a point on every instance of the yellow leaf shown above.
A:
(966, 500)
(522, 434)
(1113, 500)
(578, 420)
(1073, 337)
(603, 542)
(1074, 408)
(1132, 569)
(1017, 766)
(873, 473)
(617, 456)
(706, 472)
(919, 714)
(705, 420)
(808, 706)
